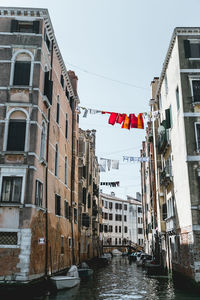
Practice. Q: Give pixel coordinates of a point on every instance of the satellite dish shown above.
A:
(161, 129)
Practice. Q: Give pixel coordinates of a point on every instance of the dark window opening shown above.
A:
(58, 113)
(66, 126)
(196, 90)
(22, 73)
(11, 189)
(38, 193)
(16, 135)
(25, 26)
(66, 210)
(62, 80)
(57, 205)
(48, 87)
(75, 216)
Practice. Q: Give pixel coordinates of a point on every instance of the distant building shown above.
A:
(122, 220)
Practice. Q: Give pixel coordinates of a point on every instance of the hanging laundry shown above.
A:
(126, 123)
(134, 121)
(109, 164)
(120, 118)
(115, 164)
(112, 118)
(102, 165)
(85, 113)
(140, 122)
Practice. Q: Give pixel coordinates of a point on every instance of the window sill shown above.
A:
(194, 58)
(43, 162)
(10, 204)
(196, 103)
(20, 87)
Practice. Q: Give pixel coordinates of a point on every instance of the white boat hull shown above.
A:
(64, 282)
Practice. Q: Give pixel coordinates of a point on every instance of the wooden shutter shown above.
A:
(14, 26)
(16, 135)
(187, 48)
(167, 117)
(22, 73)
(36, 26)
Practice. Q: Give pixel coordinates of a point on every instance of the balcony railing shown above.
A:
(166, 176)
(163, 141)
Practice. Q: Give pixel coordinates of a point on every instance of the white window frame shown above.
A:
(7, 120)
(192, 78)
(13, 172)
(13, 60)
(43, 141)
(194, 41)
(18, 238)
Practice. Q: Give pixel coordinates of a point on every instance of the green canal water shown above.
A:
(117, 281)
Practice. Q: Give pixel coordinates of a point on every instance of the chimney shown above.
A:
(74, 80)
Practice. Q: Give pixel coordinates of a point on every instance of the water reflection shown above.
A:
(122, 281)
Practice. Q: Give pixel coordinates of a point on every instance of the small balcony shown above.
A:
(166, 176)
(163, 141)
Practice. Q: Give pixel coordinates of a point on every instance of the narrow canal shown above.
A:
(121, 280)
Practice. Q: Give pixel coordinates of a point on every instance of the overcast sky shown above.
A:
(116, 48)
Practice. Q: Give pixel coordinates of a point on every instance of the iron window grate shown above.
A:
(8, 238)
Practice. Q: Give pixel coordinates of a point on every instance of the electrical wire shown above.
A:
(108, 78)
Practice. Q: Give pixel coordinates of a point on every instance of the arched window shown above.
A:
(66, 126)
(22, 69)
(56, 161)
(43, 141)
(16, 131)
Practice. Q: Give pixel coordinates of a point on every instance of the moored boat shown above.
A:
(84, 270)
(66, 282)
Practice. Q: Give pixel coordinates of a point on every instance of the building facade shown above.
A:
(89, 243)
(122, 222)
(176, 133)
(38, 149)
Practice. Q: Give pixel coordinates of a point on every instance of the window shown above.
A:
(66, 170)
(56, 161)
(192, 49)
(138, 220)
(25, 26)
(125, 229)
(116, 205)
(66, 126)
(66, 93)
(120, 206)
(57, 205)
(120, 241)
(177, 98)
(196, 90)
(120, 229)
(47, 40)
(16, 135)
(8, 238)
(170, 207)
(110, 205)
(75, 216)
(86, 220)
(115, 241)
(84, 195)
(105, 216)
(48, 87)
(105, 228)
(66, 210)
(70, 242)
(22, 73)
(125, 218)
(38, 193)
(43, 141)
(140, 209)
(168, 117)
(160, 101)
(110, 228)
(164, 211)
(62, 244)
(58, 110)
(89, 201)
(197, 134)
(125, 206)
(110, 217)
(11, 189)
(140, 231)
(106, 204)
(116, 229)
(62, 81)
